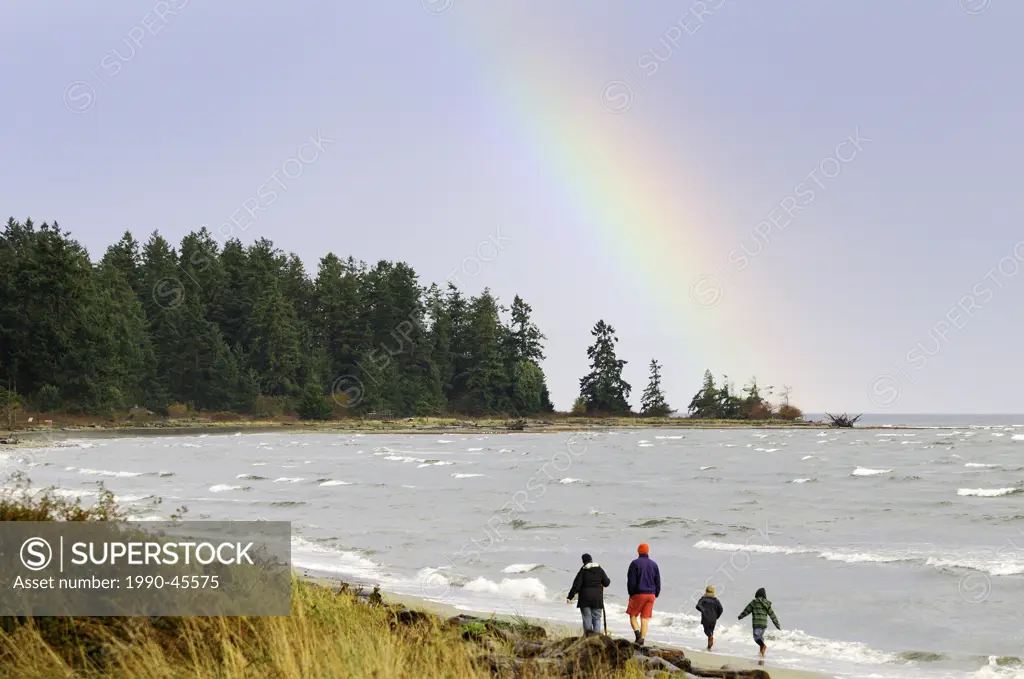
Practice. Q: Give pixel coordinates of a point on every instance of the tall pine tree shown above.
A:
(603, 389)
(652, 403)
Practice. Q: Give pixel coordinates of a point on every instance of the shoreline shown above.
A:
(559, 629)
(41, 435)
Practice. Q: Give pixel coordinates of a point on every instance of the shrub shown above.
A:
(761, 411)
(269, 406)
(788, 412)
(177, 410)
(579, 407)
(314, 404)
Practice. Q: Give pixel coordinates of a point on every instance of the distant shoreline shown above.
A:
(35, 435)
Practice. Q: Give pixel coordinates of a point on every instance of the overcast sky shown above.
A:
(826, 195)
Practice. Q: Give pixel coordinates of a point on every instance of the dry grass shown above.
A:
(327, 635)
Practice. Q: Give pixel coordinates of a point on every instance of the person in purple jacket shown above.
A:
(643, 584)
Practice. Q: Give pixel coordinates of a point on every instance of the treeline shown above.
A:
(724, 403)
(246, 329)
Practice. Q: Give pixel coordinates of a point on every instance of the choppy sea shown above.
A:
(887, 553)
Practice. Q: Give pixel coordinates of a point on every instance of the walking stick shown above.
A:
(604, 612)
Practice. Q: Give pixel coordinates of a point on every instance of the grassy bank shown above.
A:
(327, 635)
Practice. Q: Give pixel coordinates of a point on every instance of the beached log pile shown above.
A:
(522, 650)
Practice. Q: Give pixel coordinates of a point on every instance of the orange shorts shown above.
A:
(640, 604)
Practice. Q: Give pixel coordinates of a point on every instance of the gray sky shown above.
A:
(685, 172)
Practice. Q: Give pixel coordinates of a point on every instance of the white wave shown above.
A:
(809, 457)
(858, 557)
(145, 518)
(509, 588)
(1017, 437)
(567, 480)
(505, 450)
(473, 450)
(760, 549)
(443, 441)
(131, 498)
(249, 476)
(68, 492)
(221, 487)
(289, 479)
(521, 568)
(995, 670)
(864, 471)
(800, 480)
(987, 492)
(465, 476)
(670, 438)
(314, 556)
(980, 466)
(986, 564)
(104, 472)
(259, 464)
(707, 467)
(993, 564)
(191, 445)
(434, 463)
(331, 482)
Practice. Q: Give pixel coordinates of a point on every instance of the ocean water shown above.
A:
(887, 553)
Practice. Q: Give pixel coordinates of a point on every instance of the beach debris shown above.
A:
(843, 421)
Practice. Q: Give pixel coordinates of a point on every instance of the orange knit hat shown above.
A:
(643, 548)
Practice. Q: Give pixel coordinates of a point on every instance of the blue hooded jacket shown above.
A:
(643, 577)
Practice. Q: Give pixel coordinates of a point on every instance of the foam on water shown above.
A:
(521, 567)
(222, 487)
(864, 471)
(465, 476)
(319, 557)
(987, 561)
(981, 466)
(509, 588)
(331, 482)
(988, 492)
(104, 472)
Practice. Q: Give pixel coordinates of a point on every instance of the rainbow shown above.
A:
(618, 184)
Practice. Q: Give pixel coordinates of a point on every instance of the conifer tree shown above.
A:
(653, 404)
(603, 389)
